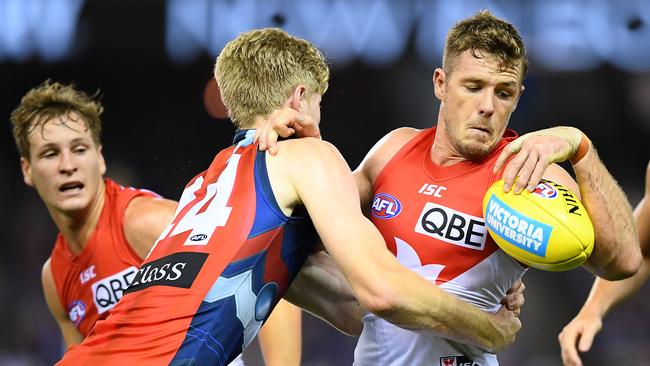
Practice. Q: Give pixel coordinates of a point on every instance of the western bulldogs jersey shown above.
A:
(433, 223)
(214, 275)
(90, 283)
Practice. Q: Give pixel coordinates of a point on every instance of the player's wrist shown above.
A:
(582, 150)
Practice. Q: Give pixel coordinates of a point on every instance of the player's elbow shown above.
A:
(383, 302)
(624, 266)
(380, 303)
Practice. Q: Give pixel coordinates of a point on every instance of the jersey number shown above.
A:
(203, 224)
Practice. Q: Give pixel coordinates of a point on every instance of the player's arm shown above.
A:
(280, 337)
(144, 219)
(321, 289)
(579, 334)
(380, 283)
(71, 335)
(616, 254)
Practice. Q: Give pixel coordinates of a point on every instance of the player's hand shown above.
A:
(578, 335)
(535, 152)
(508, 324)
(285, 122)
(514, 298)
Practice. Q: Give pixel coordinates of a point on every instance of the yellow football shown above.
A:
(547, 229)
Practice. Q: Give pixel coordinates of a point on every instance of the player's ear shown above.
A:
(26, 168)
(439, 83)
(298, 96)
(102, 162)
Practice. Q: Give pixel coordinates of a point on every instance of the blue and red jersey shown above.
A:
(213, 276)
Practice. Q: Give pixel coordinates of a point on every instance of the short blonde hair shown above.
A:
(50, 100)
(258, 71)
(488, 34)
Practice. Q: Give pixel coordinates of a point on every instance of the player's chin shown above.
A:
(73, 204)
(476, 150)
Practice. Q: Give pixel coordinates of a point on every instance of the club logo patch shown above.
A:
(77, 311)
(385, 206)
(457, 361)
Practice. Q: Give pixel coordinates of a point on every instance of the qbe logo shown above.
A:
(456, 361)
(176, 270)
(77, 311)
(451, 226)
(545, 190)
(108, 291)
(385, 206)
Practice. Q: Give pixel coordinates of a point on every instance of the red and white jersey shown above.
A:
(431, 219)
(90, 283)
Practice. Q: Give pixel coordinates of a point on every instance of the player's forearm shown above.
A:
(616, 254)
(321, 289)
(281, 336)
(420, 304)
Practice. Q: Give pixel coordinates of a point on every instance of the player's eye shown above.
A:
(48, 154)
(80, 149)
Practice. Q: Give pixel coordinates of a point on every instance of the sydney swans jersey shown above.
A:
(213, 276)
(433, 223)
(90, 283)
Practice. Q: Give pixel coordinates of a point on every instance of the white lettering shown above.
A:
(177, 268)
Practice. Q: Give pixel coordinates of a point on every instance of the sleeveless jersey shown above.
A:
(90, 283)
(213, 276)
(433, 222)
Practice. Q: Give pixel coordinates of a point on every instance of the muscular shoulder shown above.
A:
(298, 156)
(144, 219)
(302, 165)
(308, 148)
(384, 150)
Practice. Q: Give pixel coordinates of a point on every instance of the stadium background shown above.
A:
(590, 68)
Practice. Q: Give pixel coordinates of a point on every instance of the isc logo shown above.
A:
(385, 206)
(451, 226)
(107, 291)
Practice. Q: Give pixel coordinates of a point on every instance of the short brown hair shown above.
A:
(257, 71)
(50, 100)
(486, 33)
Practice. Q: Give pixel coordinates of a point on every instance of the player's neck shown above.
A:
(443, 152)
(258, 122)
(77, 227)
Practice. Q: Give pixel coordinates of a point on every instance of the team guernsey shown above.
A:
(434, 225)
(213, 276)
(90, 283)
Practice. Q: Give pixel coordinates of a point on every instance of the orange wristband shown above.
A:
(585, 145)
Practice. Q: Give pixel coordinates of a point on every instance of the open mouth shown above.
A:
(71, 187)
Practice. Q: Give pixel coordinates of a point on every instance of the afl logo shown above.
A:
(385, 206)
(545, 190)
(77, 311)
(198, 237)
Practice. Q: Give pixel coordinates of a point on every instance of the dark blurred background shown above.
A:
(152, 61)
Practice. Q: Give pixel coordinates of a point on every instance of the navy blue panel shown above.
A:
(210, 340)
